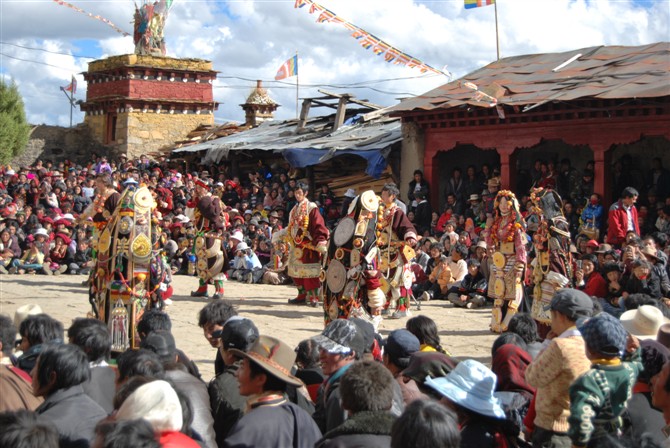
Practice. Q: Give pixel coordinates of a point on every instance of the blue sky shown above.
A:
(251, 39)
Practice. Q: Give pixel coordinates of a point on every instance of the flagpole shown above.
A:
(71, 106)
(495, 6)
(297, 86)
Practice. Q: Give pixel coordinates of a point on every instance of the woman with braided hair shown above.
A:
(506, 239)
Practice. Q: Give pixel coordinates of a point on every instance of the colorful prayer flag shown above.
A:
(72, 87)
(469, 4)
(288, 69)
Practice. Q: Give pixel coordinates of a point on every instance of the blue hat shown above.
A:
(605, 334)
(470, 385)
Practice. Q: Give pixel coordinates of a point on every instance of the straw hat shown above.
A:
(644, 322)
(273, 356)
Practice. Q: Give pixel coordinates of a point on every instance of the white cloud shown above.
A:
(251, 39)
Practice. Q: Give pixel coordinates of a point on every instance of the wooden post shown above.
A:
(341, 112)
(306, 104)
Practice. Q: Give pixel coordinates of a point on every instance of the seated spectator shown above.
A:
(82, 260)
(526, 327)
(598, 397)
(610, 303)
(658, 268)
(15, 384)
(643, 420)
(367, 394)
(309, 368)
(588, 278)
(425, 424)
(211, 319)
(159, 404)
(471, 293)
(58, 377)
(247, 266)
(9, 248)
(33, 256)
(425, 329)
(60, 257)
(437, 284)
(92, 336)
(264, 376)
(457, 264)
(643, 280)
(122, 434)
(226, 402)
(23, 429)
(36, 331)
(194, 389)
(468, 390)
(154, 320)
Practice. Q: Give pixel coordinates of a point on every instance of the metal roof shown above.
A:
(606, 72)
(317, 134)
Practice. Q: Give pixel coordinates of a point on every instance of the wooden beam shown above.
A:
(341, 113)
(304, 112)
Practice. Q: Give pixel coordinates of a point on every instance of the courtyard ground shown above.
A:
(463, 332)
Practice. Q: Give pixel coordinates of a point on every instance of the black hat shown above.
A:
(238, 333)
(573, 303)
(162, 343)
(400, 345)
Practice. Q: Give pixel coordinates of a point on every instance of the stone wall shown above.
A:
(57, 144)
(147, 132)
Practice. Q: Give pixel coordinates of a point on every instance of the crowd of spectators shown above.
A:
(600, 378)
(595, 381)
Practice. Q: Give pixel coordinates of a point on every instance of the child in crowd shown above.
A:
(472, 290)
(439, 278)
(598, 397)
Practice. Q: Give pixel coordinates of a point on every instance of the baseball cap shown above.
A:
(238, 333)
(341, 337)
(571, 302)
(592, 243)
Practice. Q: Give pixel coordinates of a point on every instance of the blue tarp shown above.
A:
(303, 157)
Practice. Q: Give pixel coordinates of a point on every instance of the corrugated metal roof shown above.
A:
(317, 134)
(606, 72)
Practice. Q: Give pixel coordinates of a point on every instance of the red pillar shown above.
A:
(507, 167)
(602, 175)
(430, 173)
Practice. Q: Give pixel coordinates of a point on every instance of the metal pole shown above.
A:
(495, 7)
(297, 86)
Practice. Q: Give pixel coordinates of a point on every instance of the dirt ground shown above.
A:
(463, 332)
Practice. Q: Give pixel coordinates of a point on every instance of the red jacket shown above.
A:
(617, 222)
(595, 285)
